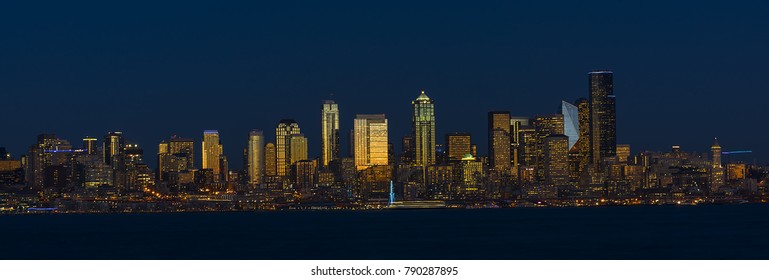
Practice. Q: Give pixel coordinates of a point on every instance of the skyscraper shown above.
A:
(212, 150)
(370, 147)
(716, 169)
(499, 141)
(270, 160)
(517, 126)
(255, 155)
(556, 160)
(545, 126)
(90, 145)
(183, 149)
(113, 146)
(458, 145)
(603, 119)
(423, 128)
(298, 148)
(329, 125)
(623, 153)
(570, 114)
(715, 151)
(579, 153)
(286, 128)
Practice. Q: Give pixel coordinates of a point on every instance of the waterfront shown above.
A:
(636, 232)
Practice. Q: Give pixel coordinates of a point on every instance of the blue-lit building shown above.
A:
(570, 114)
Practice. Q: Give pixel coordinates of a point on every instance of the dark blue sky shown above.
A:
(684, 72)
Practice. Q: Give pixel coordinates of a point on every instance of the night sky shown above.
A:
(684, 72)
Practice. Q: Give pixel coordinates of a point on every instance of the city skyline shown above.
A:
(505, 56)
(343, 143)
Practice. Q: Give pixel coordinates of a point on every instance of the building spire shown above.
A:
(423, 96)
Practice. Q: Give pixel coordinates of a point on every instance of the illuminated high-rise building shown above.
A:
(286, 128)
(545, 126)
(370, 137)
(133, 154)
(329, 126)
(298, 147)
(113, 147)
(716, 168)
(224, 168)
(423, 128)
(183, 149)
(715, 152)
(579, 153)
(623, 153)
(91, 145)
(407, 149)
(255, 157)
(270, 160)
(458, 145)
(48, 152)
(164, 159)
(212, 150)
(570, 114)
(556, 169)
(303, 176)
(603, 118)
(499, 141)
(517, 126)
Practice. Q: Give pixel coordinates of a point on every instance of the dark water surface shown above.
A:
(648, 232)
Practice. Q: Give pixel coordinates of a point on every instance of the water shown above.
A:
(649, 232)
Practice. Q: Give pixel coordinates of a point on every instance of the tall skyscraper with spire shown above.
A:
(283, 133)
(603, 117)
(212, 151)
(423, 128)
(255, 157)
(329, 125)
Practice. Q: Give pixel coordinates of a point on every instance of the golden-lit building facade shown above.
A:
(255, 157)
(470, 176)
(370, 141)
(458, 145)
(517, 125)
(270, 160)
(175, 155)
(183, 147)
(736, 171)
(212, 151)
(303, 175)
(90, 145)
(298, 148)
(329, 126)
(374, 183)
(286, 128)
(546, 125)
(556, 163)
(499, 141)
(623, 153)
